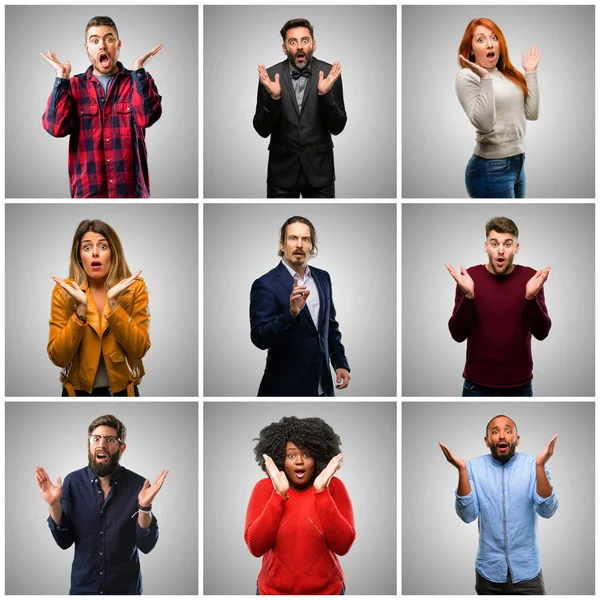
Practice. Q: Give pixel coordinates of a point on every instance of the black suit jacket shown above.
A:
(300, 137)
(298, 354)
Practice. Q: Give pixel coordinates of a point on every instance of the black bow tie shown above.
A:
(304, 72)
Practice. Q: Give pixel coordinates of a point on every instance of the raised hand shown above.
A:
(138, 63)
(279, 479)
(342, 378)
(75, 292)
(273, 87)
(534, 285)
(463, 279)
(148, 492)
(548, 451)
(531, 61)
(119, 288)
(477, 69)
(298, 297)
(322, 480)
(62, 69)
(51, 493)
(459, 463)
(326, 83)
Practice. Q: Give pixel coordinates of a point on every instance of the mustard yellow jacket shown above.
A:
(121, 335)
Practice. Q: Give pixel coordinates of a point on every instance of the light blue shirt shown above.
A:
(504, 498)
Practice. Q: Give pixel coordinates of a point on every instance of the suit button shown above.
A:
(301, 128)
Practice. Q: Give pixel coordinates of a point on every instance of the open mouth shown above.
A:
(300, 56)
(96, 264)
(100, 456)
(104, 59)
(502, 446)
(300, 473)
(491, 55)
(500, 261)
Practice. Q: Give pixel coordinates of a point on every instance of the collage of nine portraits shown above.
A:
(329, 207)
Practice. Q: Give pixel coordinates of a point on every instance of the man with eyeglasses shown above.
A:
(497, 308)
(106, 510)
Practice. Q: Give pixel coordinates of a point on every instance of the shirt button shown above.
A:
(108, 160)
(128, 108)
(100, 553)
(98, 491)
(102, 592)
(110, 181)
(101, 532)
(108, 139)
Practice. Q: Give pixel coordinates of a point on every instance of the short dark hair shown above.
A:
(296, 23)
(490, 421)
(313, 234)
(109, 421)
(501, 225)
(101, 21)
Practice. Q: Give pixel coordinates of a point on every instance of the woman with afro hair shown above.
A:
(300, 516)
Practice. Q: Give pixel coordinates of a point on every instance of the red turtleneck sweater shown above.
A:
(299, 538)
(498, 324)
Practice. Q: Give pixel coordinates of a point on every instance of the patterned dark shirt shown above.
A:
(106, 532)
(107, 148)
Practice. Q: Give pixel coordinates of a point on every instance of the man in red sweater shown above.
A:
(497, 307)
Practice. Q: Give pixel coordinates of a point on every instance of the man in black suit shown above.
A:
(293, 317)
(300, 104)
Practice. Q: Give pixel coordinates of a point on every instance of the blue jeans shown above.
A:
(474, 389)
(496, 177)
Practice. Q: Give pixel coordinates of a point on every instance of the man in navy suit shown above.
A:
(293, 317)
(300, 104)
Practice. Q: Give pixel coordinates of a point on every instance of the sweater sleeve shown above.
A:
(532, 102)
(476, 96)
(337, 518)
(462, 317)
(537, 317)
(262, 518)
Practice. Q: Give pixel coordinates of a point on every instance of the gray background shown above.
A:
(239, 38)
(437, 137)
(160, 239)
(438, 549)
(160, 435)
(36, 163)
(357, 247)
(559, 235)
(368, 433)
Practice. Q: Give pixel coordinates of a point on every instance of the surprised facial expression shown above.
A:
(103, 48)
(501, 249)
(485, 48)
(502, 439)
(299, 46)
(299, 467)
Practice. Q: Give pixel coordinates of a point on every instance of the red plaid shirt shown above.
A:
(107, 149)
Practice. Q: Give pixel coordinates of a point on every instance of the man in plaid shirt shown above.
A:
(105, 111)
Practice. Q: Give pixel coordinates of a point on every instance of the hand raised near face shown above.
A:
(298, 298)
(477, 69)
(326, 83)
(119, 288)
(63, 70)
(273, 87)
(534, 285)
(531, 60)
(148, 492)
(278, 478)
(139, 62)
(548, 451)
(459, 463)
(323, 478)
(74, 291)
(463, 279)
(51, 493)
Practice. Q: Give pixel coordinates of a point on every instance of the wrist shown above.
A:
(469, 296)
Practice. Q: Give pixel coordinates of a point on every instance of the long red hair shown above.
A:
(504, 65)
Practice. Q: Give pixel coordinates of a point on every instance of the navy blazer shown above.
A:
(298, 355)
(300, 137)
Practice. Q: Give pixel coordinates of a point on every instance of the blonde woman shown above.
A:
(99, 321)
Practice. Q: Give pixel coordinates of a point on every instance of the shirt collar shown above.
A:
(294, 274)
(116, 477)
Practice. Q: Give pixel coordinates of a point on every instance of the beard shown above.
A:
(307, 58)
(506, 268)
(106, 468)
(504, 458)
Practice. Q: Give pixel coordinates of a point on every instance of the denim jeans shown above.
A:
(474, 389)
(496, 177)
(531, 587)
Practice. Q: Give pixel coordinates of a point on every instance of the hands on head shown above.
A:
(534, 285)
(298, 297)
(477, 69)
(148, 492)
(63, 70)
(326, 83)
(531, 60)
(51, 493)
(273, 87)
(139, 62)
(459, 463)
(463, 280)
(548, 451)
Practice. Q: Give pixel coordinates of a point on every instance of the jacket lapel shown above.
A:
(321, 289)
(287, 80)
(287, 281)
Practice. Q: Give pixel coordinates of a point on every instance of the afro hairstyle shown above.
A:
(311, 434)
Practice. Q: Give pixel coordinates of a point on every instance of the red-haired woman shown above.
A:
(497, 99)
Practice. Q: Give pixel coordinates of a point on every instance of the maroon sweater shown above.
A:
(498, 324)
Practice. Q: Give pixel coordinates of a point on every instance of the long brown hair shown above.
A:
(504, 65)
(118, 265)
